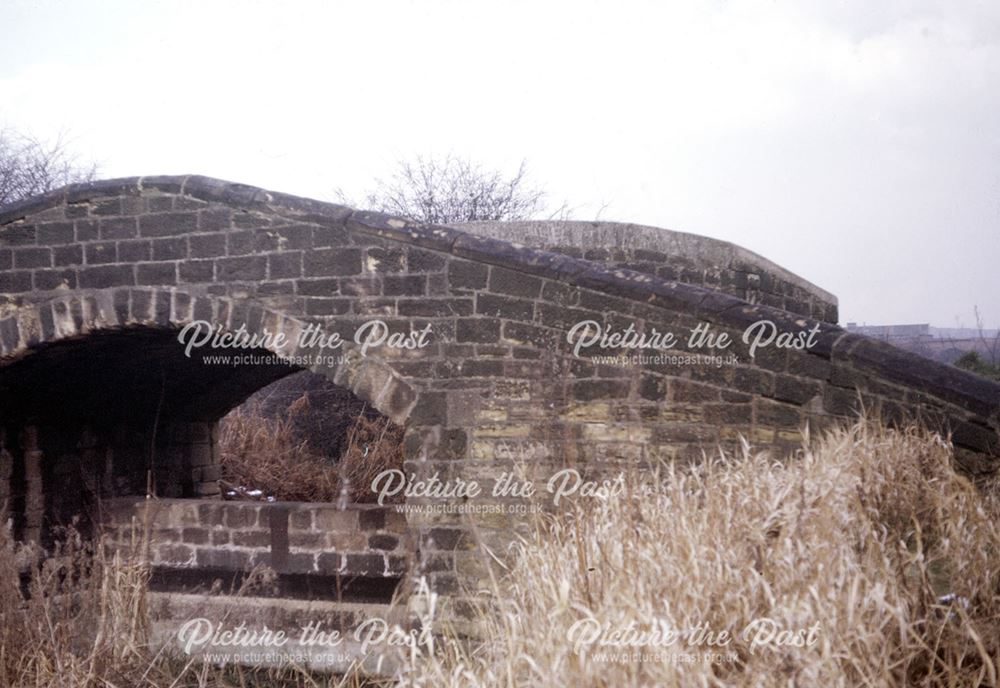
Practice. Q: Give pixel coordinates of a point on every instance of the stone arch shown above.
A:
(87, 467)
(81, 402)
(78, 314)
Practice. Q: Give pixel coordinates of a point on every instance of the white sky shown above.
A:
(855, 143)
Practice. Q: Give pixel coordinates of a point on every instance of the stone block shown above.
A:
(335, 520)
(333, 261)
(166, 224)
(241, 269)
(467, 275)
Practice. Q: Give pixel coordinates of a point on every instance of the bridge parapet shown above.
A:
(118, 267)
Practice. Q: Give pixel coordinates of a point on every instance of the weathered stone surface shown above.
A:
(498, 379)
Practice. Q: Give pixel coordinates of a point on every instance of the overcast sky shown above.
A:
(857, 144)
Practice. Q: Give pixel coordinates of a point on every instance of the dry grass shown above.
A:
(82, 622)
(863, 534)
(268, 454)
(79, 621)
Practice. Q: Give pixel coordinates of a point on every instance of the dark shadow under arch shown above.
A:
(36, 327)
(100, 399)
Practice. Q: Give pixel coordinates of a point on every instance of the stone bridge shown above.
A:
(99, 400)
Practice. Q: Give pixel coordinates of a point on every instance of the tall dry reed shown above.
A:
(869, 537)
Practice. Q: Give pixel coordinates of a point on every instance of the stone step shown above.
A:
(322, 636)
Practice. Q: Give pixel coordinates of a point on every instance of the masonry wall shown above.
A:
(54, 477)
(290, 537)
(499, 381)
(688, 258)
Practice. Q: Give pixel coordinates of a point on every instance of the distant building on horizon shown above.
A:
(944, 344)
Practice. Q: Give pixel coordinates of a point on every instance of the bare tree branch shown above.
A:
(30, 166)
(991, 347)
(450, 189)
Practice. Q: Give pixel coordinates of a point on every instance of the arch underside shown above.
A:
(118, 351)
(131, 373)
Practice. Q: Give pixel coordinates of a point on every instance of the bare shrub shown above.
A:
(452, 189)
